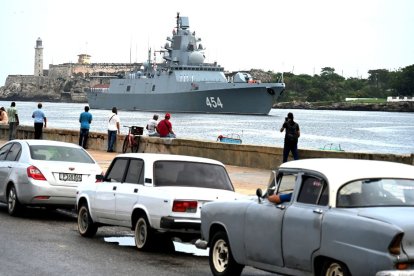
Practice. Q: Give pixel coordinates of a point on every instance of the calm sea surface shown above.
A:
(356, 131)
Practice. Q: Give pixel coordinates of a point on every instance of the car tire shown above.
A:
(220, 257)
(86, 226)
(14, 207)
(334, 268)
(144, 234)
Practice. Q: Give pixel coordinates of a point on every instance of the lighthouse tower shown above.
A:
(38, 65)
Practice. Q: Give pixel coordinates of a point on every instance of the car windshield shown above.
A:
(377, 192)
(191, 174)
(59, 153)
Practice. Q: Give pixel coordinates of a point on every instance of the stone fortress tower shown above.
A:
(38, 65)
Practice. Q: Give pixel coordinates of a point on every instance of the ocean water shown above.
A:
(354, 131)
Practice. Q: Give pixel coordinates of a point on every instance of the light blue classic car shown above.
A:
(345, 217)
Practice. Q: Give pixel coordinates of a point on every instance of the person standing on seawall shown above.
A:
(13, 120)
(39, 118)
(113, 129)
(291, 137)
(85, 120)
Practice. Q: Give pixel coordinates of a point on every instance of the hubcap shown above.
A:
(83, 220)
(12, 199)
(141, 233)
(334, 270)
(220, 255)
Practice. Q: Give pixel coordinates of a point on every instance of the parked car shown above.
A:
(345, 217)
(153, 194)
(43, 173)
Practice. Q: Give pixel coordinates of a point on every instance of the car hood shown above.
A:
(203, 194)
(399, 217)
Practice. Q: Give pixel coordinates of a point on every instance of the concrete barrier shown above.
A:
(261, 157)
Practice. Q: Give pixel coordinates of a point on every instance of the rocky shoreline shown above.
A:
(352, 106)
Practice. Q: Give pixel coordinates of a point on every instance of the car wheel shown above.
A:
(334, 268)
(13, 205)
(86, 226)
(221, 259)
(144, 234)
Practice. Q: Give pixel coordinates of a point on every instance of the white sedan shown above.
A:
(153, 194)
(43, 173)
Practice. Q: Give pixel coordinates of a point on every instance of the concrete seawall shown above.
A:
(252, 156)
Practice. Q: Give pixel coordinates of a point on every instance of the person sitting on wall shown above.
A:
(164, 127)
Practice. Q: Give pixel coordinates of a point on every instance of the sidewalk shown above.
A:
(245, 180)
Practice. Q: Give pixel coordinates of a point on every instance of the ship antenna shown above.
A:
(178, 21)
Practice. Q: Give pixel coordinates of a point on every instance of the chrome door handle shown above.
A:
(318, 211)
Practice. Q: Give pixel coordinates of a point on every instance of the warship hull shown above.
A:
(254, 100)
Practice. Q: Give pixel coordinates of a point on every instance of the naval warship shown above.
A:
(183, 82)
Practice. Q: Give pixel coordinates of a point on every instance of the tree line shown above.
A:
(330, 86)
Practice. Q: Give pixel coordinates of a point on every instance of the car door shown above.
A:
(263, 225)
(301, 234)
(5, 170)
(128, 191)
(105, 198)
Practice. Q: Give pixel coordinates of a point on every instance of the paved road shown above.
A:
(44, 242)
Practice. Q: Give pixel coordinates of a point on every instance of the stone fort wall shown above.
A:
(68, 70)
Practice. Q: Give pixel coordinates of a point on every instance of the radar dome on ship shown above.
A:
(196, 58)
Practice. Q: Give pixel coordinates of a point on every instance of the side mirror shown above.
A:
(99, 178)
(259, 194)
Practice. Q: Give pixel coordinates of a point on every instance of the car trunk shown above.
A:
(398, 216)
(69, 174)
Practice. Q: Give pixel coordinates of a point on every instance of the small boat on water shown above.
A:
(232, 138)
(184, 83)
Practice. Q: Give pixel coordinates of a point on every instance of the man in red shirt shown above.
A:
(165, 127)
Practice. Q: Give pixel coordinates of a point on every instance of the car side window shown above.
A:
(117, 170)
(313, 191)
(14, 152)
(135, 173)
(4, 150)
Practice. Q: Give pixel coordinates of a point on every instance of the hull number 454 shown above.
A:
(213, 102)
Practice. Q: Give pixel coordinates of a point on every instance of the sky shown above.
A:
(298, 36)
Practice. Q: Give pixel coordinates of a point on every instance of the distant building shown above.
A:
(400, 99)
(38, 65)
(84, 59)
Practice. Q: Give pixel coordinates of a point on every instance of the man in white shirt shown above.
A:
(113, 129)
(152, 126)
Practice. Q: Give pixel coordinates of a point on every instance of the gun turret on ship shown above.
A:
(183, 82)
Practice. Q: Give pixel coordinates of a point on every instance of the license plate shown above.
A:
(70, 177)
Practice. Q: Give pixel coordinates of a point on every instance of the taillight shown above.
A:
(35, 173)
(395, 245)
(184, 206)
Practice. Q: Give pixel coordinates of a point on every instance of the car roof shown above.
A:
(32, 142)
(152, 157)
(340, 171)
